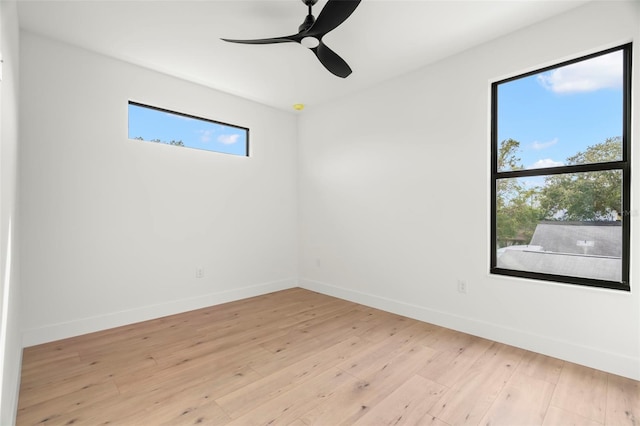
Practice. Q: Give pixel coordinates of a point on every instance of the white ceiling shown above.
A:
(381, 40)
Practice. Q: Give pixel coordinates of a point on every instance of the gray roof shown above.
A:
(578, 249)
(586, 238)
(602, 268)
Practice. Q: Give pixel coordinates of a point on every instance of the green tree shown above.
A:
(172, 142)
(517, 211)
(508, 155)
(586, 196)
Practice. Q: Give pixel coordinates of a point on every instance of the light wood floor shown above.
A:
(300, 358)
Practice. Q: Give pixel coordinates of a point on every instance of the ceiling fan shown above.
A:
(311, 31)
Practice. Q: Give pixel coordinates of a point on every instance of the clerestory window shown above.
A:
(159, 125)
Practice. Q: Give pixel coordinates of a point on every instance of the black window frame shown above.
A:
(623, 165)
(195, 117)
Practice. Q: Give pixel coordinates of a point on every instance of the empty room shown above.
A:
(301, 212)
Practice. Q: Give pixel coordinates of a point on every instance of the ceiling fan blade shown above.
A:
(273, 40)
(331, 61)
(334, 13)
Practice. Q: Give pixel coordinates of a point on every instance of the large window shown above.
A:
(560, 172)
(159, 125)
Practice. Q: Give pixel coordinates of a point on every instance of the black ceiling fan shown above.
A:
(311, 31)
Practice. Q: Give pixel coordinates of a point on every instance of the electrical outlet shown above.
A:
(462, 286)
(199, 272)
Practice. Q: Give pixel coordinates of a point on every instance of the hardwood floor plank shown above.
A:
(583, 391)
(623, 401)
(559, 417)
(457, 352)
(290, 405)
(312, 311)
(206, 414)
(48, 373)
(409, 404)
(378, 354)
(219, 378)
(42, 365)
(386, 326)
(334, 323)
(297, 422)
(204, 347)
(257, 393)
(403, 333)
(379, 375)
(288, 354)
(346, 403)
(267, 319)
(155, 336)
(541, 367)
(443, 339)
(33, 395)
(523, 401)
(65, 403)
(470, 398)
(177, 409)
(331, 322)
(291, 350)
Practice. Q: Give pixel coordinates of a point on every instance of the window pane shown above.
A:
(566, 224)
(162, 126)
(556, 115)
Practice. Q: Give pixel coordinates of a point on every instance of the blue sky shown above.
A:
(558, 113)
(152, 124)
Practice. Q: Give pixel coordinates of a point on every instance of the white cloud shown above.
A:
(601, 72)
(228, 139)
(205, 135)
(537, 145)
(546, 162)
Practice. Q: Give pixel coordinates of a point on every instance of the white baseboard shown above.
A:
(614, 363)
(9, 401)
(49, 333)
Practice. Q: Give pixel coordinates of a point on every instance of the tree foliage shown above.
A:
(171, 142)
(586, 196)
(517, 214)
(508, 155)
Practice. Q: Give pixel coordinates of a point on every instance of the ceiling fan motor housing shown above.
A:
(308, 22)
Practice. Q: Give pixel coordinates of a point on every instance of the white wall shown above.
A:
(394, 200)
(114, 229)
(10, 338)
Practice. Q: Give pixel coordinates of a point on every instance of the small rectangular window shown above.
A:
(158, 125)
(560, 172)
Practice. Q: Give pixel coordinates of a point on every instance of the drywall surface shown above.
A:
(395, 200)
(113, 230)
(10, 337)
